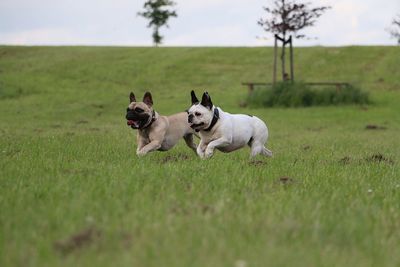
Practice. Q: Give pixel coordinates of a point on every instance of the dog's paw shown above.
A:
(201, 154)
(208, 154)
(141, 153)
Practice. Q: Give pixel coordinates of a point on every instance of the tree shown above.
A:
(395, 31)
(157, 12)
(286, 17)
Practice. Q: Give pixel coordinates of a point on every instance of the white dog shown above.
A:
(224, 131)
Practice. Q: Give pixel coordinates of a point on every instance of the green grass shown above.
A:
(73, 192)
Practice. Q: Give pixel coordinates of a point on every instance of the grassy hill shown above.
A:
(73, 192)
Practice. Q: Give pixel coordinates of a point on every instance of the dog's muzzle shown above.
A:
(196, 126)
(133, 124)
(190, 118)
(135, 120)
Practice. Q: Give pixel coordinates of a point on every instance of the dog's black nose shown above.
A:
(129, 114)
(190, 118)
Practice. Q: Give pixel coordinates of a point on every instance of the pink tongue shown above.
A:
(130, 122)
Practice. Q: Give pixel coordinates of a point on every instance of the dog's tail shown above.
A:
(266, 152)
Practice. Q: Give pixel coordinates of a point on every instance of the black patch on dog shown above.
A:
(214, 120)
(250, 141)
(194, 98)
(142, 118)
(193, 126)
(206, 101)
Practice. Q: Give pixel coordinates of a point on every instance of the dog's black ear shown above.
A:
(147, 99)
(194, 98)
(206, 101)
(132, 97)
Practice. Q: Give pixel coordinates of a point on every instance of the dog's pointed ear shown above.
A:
(147, 99)
(194, 98)
(132, 97)
(206, 101)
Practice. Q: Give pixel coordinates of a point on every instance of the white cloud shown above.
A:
(354, 22)
(59, 36)
(42, 36)
(221, 35)
(200, 22)
(198, 5)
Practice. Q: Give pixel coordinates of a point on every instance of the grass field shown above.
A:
(73, 192)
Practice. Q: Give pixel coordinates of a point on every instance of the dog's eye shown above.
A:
(197, 114)
(139, 110)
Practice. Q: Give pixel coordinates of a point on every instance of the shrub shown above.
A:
(287, 94)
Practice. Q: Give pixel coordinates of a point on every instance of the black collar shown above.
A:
(214, 120)
(153, 118)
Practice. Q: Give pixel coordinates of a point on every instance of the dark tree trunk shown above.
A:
(275, 60)
(291, 60)
(283, 56)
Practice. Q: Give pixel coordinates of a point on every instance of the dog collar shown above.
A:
(150, 122)
(214, 120)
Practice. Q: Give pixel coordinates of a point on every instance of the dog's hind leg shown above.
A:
(266, 152)
(189, 142)
(259, 139)
(256, 148)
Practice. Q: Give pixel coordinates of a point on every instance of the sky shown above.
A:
(199, 23)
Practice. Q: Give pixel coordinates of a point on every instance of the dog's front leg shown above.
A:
(220, 142)
(153, 145)
(189, 142)
(156, 139)
(201, 149)
(140, 143)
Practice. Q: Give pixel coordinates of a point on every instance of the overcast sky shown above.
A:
(199, 23)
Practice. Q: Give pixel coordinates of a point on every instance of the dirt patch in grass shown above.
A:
(77, 241)
(345, 160)
(286, 180)
(100, 106)
(257, 163)
(379, 158)
(206, 209)
(174, 158)
(316, 129)
(375, 158)
(374, 127)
